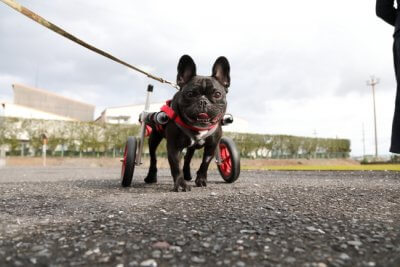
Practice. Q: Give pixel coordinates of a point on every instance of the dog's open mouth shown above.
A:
(203, 117)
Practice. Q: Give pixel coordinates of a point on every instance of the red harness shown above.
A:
(173, 116)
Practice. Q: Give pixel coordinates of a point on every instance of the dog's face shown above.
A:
(201, 101)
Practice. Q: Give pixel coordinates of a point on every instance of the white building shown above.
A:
(17, 111)
(34, 103)
(126, 114)
(52, 103)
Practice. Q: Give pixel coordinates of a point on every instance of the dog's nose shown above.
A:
(203, 104)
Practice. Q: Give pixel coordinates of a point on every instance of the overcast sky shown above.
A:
(297, 67)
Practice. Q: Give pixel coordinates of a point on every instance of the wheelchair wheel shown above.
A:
(128, 163)
(230, 160)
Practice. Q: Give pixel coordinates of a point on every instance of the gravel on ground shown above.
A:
(60, 216)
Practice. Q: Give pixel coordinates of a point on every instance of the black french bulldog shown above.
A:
(199, 106)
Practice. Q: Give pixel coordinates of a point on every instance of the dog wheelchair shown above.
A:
(227, 155)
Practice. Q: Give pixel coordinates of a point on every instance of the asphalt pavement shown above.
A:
(83, 217)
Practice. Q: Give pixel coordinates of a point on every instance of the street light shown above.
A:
(373, 82)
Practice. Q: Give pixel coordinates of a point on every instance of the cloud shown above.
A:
(289, 59)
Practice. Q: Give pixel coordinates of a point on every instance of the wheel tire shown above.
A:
(230, 160)
(128, 163)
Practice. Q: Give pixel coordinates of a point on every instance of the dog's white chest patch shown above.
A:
(201, 134)
(199, 138)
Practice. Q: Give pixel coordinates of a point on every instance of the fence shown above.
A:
(289, 147)
(89, 139)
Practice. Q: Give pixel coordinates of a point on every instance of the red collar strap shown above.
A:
(173, 116)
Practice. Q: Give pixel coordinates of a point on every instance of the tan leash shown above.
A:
(30, 14)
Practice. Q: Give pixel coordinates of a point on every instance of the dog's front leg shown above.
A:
(174, 158)
(209, 152)
(186, 164)
(154, 140)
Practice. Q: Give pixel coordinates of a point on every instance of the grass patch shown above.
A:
(378, 167)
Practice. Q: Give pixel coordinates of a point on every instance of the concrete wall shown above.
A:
(52, 103)
(17, 111)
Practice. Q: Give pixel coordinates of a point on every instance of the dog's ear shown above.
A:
(186, 70)
(221, 70)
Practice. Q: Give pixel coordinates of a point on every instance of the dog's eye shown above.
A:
(217, 95)
(190, 94)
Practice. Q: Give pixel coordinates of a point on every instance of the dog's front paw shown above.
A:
(151, 177)
(180, 182)
(186, 174)
(201, 181)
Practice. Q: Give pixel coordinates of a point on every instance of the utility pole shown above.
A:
(373, 82)
(363, 139)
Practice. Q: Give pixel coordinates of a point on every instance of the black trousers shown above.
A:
(395, 146)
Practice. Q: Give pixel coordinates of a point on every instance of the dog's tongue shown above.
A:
(203, 116)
